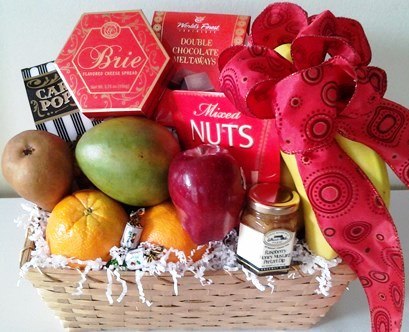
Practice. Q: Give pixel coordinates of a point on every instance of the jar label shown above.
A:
(264, 253)
(278, 238)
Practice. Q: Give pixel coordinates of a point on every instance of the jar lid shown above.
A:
(271, 198)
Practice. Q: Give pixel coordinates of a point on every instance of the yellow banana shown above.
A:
(367, 159)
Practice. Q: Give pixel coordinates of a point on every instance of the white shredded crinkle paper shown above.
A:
(220, 255)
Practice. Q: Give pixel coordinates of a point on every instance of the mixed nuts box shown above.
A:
(209, 117)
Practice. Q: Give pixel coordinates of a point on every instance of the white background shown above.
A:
(33, 32)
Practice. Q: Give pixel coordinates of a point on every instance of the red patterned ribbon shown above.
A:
(312, 100)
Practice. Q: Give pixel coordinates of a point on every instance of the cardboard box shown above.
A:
(52, 107)
(209, 117)
(113, 64)
(195, 41)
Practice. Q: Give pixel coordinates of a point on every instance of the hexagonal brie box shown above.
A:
(113, 64)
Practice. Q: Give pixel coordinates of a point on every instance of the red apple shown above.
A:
(206, 186)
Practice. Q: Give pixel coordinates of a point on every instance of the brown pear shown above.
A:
(39, 166)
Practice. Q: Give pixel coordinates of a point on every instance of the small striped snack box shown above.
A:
(52, 107)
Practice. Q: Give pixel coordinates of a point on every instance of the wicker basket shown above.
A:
(230, 302)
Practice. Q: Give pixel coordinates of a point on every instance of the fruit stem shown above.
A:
(28, 150)
(88, 211)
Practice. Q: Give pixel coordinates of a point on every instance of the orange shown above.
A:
(86, 225)
(161, 226)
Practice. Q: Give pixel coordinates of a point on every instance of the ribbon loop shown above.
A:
(247, 77)
(327, 34)
(307, 104)
(277, 24)
(384, 127)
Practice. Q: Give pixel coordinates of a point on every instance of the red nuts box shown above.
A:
(209, 117)
(113, 64)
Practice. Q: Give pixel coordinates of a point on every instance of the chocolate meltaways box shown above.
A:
(195, 41)
(52, 106)
(209, 117)
(114, 64)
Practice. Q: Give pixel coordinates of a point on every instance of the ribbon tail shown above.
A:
(357, 224)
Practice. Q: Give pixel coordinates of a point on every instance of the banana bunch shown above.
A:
(367, 159)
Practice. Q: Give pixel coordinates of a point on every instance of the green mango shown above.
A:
(128, 159)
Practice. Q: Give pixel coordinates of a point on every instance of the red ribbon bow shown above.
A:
(312, 100)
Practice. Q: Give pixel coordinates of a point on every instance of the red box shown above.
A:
(209, 117)
(195, 41)
(113, 64)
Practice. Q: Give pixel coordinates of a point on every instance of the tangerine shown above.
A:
(86, 225)
(161, 226)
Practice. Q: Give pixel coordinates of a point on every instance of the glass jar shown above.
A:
(268, 229)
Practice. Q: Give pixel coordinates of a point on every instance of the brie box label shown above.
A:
(113, 64)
